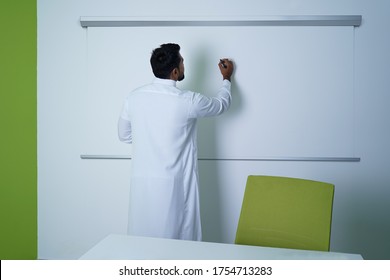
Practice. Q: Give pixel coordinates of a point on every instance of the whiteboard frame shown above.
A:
(330, 159)
(283, 20)
(288, 20)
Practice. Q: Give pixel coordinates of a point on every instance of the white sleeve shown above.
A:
(204, 106)
(124, 131)
(124, 125)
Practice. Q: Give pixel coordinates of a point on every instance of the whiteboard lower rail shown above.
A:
(328, 159)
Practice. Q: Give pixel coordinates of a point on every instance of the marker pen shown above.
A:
(222, 63)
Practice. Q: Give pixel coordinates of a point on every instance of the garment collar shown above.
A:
(167, 82)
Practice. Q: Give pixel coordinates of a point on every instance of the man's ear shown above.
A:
(175, 74)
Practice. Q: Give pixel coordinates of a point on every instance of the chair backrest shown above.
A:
(287, 213)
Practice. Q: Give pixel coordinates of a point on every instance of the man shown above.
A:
(159, 119)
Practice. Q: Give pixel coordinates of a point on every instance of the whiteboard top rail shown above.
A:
(287, 20)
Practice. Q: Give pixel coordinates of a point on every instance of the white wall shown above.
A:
(81, 201)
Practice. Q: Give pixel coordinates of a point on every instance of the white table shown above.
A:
(126, 247)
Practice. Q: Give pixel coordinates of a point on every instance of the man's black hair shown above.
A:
(164, 59)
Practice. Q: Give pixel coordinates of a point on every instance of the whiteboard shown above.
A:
(292, 89)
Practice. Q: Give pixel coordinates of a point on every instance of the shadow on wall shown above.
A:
(208, 141)
(361, 226)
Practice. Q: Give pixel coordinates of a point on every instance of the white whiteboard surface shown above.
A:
(292, 88)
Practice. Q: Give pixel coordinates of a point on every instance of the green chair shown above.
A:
(286, 213)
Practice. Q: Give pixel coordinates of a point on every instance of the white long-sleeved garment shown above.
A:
(160, 121)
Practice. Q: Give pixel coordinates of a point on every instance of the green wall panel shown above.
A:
(18, 129)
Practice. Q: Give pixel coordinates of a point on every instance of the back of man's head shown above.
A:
(164, 59)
